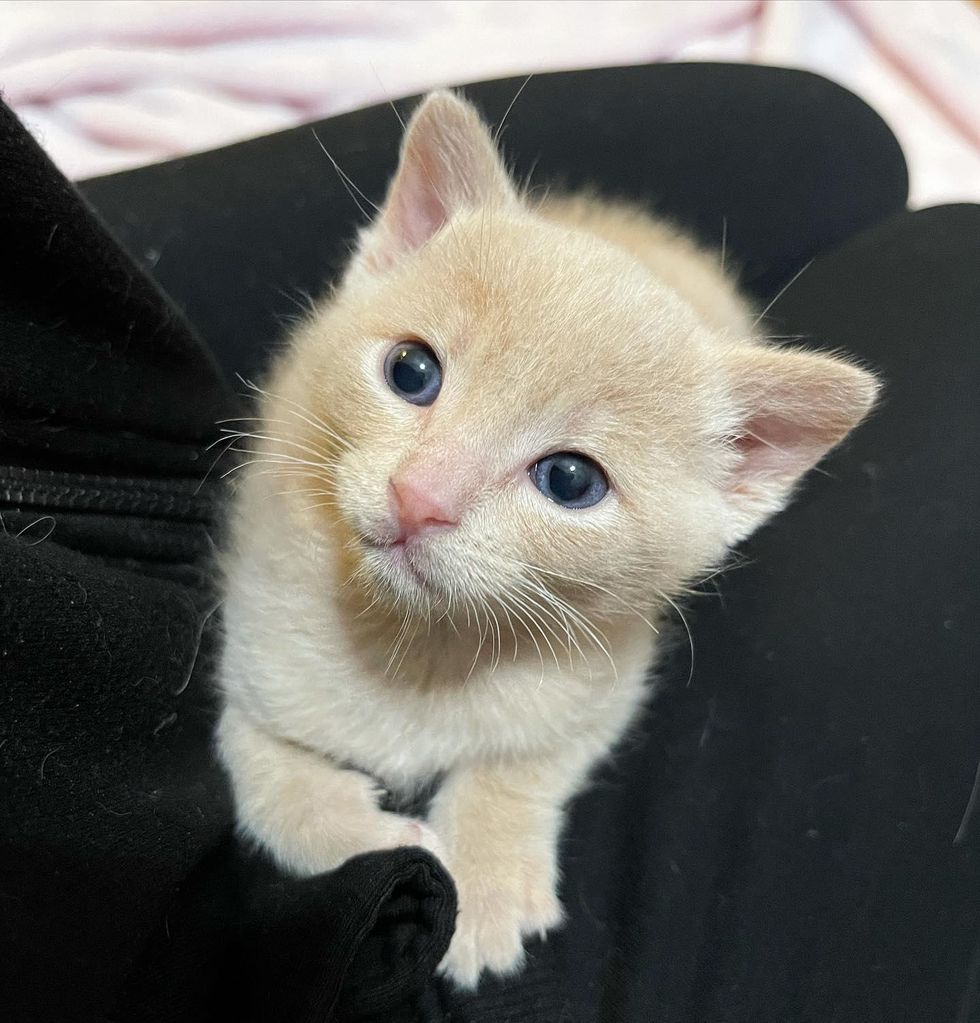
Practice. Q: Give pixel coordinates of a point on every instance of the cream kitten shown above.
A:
(483, 467)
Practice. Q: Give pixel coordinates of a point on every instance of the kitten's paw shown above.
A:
(542, 911)
(494, 917)
(400, 831)
(487, 937)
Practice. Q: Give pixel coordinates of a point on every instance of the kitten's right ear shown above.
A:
(448, 162)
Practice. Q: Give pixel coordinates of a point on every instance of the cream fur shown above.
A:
(520, 658)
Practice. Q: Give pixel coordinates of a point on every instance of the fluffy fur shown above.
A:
(507, 653)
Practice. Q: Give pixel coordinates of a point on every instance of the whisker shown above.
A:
(503, 120)
(408, 646)
(264, 433)
(319, 504)
(560, 622)
(303, 301)
(299, 411)
(296, 473)
(395, 645)
(690, 635)
(496, 645)
(272, 439)
(526, 604)
(782, 291)
(588, 628)
(387, 91)
(346, 180)
(479, 648)
(592, 585)
(293, 474)
(510, 625)
(530, 632)
(221, 454)
(282, 458)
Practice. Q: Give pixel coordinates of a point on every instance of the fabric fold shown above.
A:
(100, 371)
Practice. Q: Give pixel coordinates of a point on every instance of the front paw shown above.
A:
(496, 912)
(395, 831)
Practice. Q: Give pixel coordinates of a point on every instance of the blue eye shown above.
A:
(571, 480)
(413, 372)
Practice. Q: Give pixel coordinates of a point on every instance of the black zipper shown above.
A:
(182, 499)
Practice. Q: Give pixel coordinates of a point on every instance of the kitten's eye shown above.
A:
(570, 480)
(413, 372)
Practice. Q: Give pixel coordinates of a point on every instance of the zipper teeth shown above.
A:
(190, 499)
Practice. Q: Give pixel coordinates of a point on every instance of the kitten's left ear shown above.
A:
(793, 407)
(448, 162)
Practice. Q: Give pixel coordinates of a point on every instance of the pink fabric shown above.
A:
(109, 85)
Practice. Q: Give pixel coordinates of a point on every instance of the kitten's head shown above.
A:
(528, 419)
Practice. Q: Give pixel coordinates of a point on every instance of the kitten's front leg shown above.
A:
(309, 813)
(500, 826)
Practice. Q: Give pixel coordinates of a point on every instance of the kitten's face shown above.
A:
(546, 341)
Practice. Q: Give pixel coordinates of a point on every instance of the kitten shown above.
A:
(483, 467)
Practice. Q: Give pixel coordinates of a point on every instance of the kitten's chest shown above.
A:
(318, 691)
(403, 734)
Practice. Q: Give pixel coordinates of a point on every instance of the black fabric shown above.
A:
(248, 944)
(784, 839)
(98, 369)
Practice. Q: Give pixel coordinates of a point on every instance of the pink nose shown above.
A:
(419, 504)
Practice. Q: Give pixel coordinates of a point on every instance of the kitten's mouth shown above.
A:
(396, 556)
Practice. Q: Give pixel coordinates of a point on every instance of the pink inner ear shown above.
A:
(793, 407)
(418, 211)
(448, 163)
(778, 448)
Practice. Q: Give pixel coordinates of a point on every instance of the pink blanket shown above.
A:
(110, 85)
